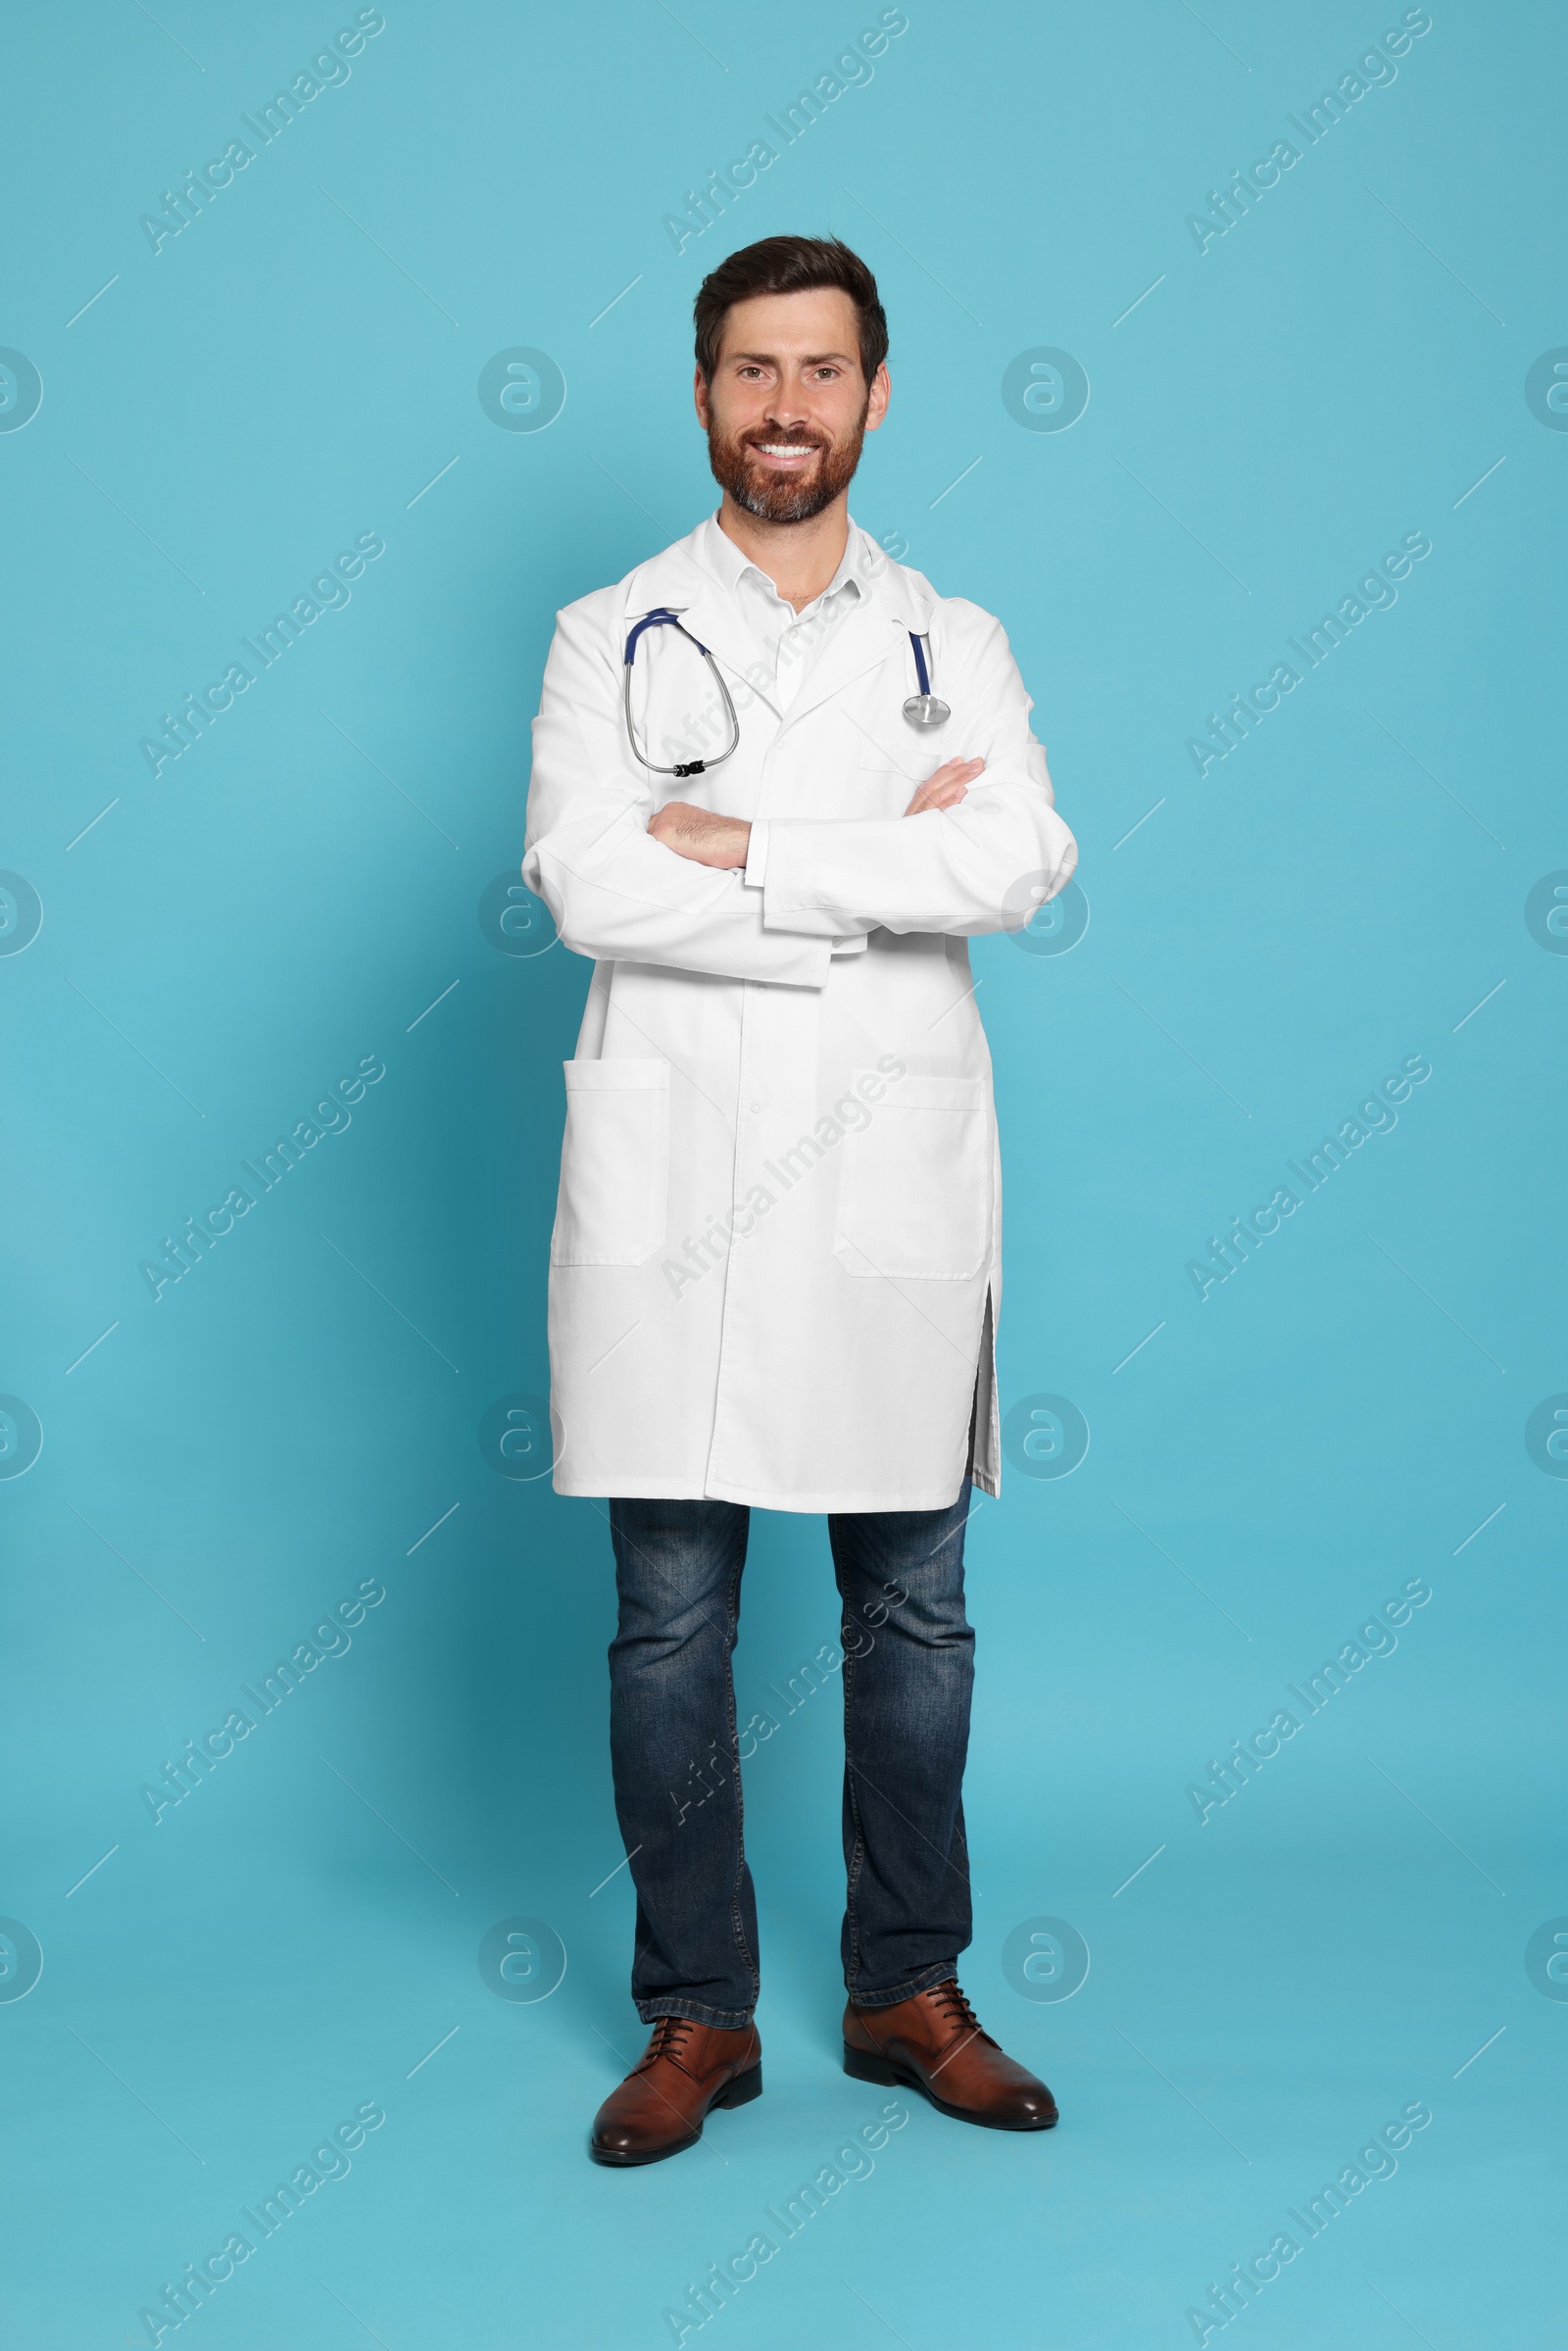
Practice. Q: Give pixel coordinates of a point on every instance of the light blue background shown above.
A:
(293, 369)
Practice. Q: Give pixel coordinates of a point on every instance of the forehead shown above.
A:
(793, 326)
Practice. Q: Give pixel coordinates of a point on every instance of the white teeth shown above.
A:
(785, 448)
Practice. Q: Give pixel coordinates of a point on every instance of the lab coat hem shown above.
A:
(718, 1490)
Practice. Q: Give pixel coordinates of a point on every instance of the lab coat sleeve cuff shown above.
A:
(755, 879)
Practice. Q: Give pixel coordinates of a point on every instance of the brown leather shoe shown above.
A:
(933, 2043)
(660, 2108)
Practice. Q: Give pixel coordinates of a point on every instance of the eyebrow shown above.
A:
(769, 359)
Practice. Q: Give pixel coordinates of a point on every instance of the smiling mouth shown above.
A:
(784, 453)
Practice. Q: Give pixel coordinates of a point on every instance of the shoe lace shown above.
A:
(952, 2004)
(670, 2038)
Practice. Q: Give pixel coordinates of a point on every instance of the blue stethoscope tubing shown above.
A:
(662, 617)
(922, 710)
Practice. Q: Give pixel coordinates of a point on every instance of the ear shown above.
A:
(881, 394)
(700, 397)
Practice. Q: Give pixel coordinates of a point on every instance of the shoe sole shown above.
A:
(860, 2066)
(741, 2091)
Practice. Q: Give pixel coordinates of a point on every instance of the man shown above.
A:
(775, 1262)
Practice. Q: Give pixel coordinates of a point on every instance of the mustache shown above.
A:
(784, 440)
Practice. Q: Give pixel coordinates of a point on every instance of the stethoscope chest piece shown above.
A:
(924, 708)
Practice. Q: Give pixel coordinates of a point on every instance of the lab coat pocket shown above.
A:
(916, 1195)
(615, 1163)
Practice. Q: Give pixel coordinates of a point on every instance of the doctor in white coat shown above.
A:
(776, 1267)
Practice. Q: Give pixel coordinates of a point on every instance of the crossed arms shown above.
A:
(979, 846)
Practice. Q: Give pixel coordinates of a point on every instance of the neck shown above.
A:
(799, 557)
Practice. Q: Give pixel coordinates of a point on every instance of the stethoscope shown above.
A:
(922, 710)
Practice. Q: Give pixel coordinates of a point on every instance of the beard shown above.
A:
(791, 498)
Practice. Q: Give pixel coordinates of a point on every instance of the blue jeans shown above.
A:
(907, 1668)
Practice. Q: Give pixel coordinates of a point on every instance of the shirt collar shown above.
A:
(729, 564)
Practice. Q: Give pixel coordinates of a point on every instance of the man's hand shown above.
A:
(708, 840)
(946, 788)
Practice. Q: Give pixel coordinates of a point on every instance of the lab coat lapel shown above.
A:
(679, 582)
(874, 630)
(865, 636)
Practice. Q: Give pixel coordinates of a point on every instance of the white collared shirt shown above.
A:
(786, 641)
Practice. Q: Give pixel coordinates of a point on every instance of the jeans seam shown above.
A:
(852, 1879)
(732, 1618)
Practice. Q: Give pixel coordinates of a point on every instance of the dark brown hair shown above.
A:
(789, 266)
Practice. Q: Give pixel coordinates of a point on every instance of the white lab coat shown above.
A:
(776, 1267)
